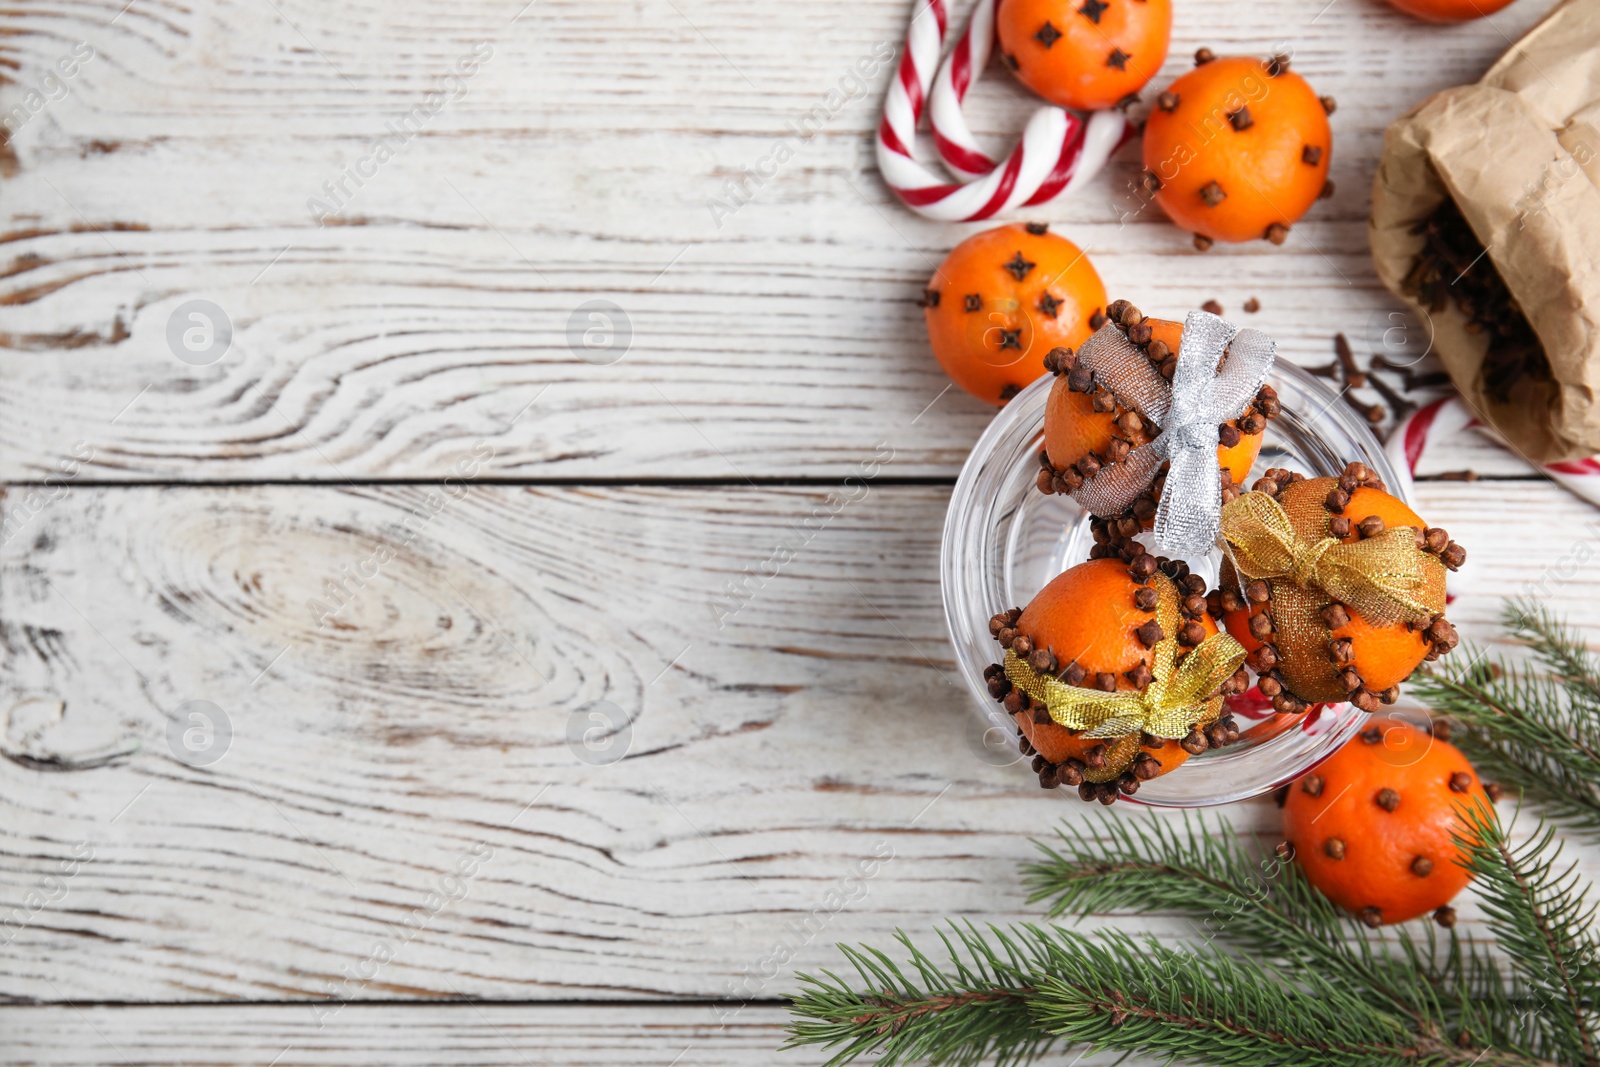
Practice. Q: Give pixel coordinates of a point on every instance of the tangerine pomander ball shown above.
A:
(1238, 149)
(1084, 54)
(1004, 298)
(1449, 10)
(1373, 826)
(1089, 627)
(1087, 428)
(1315, 648)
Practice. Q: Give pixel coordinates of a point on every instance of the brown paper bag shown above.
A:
(1519, 153)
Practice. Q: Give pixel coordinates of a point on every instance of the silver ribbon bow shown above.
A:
(1188, 411)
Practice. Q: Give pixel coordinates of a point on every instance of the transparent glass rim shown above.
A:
(1332, 435)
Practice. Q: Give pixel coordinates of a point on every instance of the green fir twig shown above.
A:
(1534, 727)
(1539, 912)
(1264, 905)
(973, 1009)
(1016, 993)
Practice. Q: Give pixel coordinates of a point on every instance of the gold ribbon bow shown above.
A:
(1386, 578)
(1178, 696)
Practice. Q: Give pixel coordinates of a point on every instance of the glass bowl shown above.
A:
(1004, 540)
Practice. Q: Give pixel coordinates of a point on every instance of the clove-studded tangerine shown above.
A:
(1335, 588)
(1004, 298)
(1084, 54)
(1087, 427)
(1373, 825)
(1238, 149)
(1127, 626)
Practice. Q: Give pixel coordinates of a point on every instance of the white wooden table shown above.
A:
(393, 853)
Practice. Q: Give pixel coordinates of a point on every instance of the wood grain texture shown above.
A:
(576, 164)
(411, 1036)
(489, 1035)
(799, 776)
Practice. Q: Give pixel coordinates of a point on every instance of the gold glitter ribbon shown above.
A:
(1179, 695)
(1384, 578)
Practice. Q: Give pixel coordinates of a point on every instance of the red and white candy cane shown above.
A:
(1450, 415)
(1058, 150)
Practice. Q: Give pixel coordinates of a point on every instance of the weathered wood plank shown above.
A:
(577, 164)
(400, 812)
(464, 1035)
(469, 1035)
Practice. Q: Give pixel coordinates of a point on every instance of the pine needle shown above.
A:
(1536, 728)
(1013, 994)
(974, 1008)
(1541, 918)
(1260, 904)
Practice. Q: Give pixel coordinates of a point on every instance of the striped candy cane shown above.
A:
(1450, 415)
(1057, 153)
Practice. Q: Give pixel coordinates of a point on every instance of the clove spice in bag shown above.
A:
(1509, 167)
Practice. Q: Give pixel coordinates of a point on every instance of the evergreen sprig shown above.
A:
(1314, 986)
(963, 1013)
(1538, 909)
(1011, 994)
(1279, 975)
(1535, 727)
(1014, 994)
(1207, 1006)
(1265, 905)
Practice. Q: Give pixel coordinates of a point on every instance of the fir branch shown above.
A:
(1265, 905)
(1542, 919)
(962, 1016)
(1536, 729)
(1014, 993)
(1485, 1009)
(1563, 651)
(1207, 1006)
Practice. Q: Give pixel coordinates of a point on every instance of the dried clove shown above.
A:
(1399, 405)
(1452, 266)
(1347, 360)
(1373, 413)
